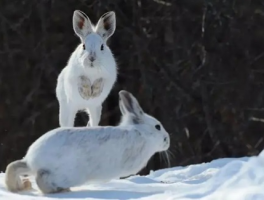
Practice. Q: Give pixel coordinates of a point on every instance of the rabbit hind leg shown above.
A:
(46, 183)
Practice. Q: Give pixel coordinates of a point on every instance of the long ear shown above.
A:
(130, 104)
(106, 25)
(82, 25)
(121, 107)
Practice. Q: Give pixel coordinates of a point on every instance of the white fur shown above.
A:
(76, 155)
(104, 66)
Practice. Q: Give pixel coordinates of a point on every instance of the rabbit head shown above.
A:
(94, 47)
(132, 114)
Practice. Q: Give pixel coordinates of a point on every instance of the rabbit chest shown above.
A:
(88, 87)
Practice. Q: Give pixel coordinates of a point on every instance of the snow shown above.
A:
(221, 179)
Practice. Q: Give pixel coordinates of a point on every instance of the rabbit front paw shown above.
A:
(97, 87)
(84, 87)
(88, 90)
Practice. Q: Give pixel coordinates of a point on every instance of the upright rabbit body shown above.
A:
(91, 71)
(66, 157)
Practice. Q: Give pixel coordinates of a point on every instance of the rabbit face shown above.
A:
(161, 136)
(93, 50)
(133, 114)
(94, 47)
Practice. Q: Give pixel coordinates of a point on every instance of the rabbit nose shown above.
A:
(92, 58)
(166, 140)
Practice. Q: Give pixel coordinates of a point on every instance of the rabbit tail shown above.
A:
(12, 176)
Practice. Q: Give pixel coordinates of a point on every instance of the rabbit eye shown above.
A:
(158, 127)
(102, 47)
(83, 46)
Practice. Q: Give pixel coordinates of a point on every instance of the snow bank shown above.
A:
(221, 179)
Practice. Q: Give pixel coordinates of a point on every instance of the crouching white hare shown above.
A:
(91, 71)
(70, 156)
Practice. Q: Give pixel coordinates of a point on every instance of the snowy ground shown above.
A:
(223, 179)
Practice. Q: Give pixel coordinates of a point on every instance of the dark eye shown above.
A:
(102, 47)
(157, 127)
(83, 46)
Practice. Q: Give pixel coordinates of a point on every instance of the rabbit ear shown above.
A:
(121, 107)
(81, 24)
(106, 25)
(130, 104)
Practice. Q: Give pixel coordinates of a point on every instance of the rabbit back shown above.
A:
(98, 154)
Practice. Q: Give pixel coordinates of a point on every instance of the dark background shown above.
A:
(197, 66)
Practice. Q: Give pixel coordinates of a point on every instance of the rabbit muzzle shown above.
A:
(166, 143)
(89, 60)
(92, 57)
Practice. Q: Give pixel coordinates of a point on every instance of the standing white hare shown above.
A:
(71, 156)
(91, 71)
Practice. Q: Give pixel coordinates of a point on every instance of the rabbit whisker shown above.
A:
(166, 157)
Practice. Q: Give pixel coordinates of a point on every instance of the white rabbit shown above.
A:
(91, 71)
(71, 156)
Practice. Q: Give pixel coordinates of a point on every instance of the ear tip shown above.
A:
(122, 92)
(77, 12)
(110, 13)
(113, 14)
